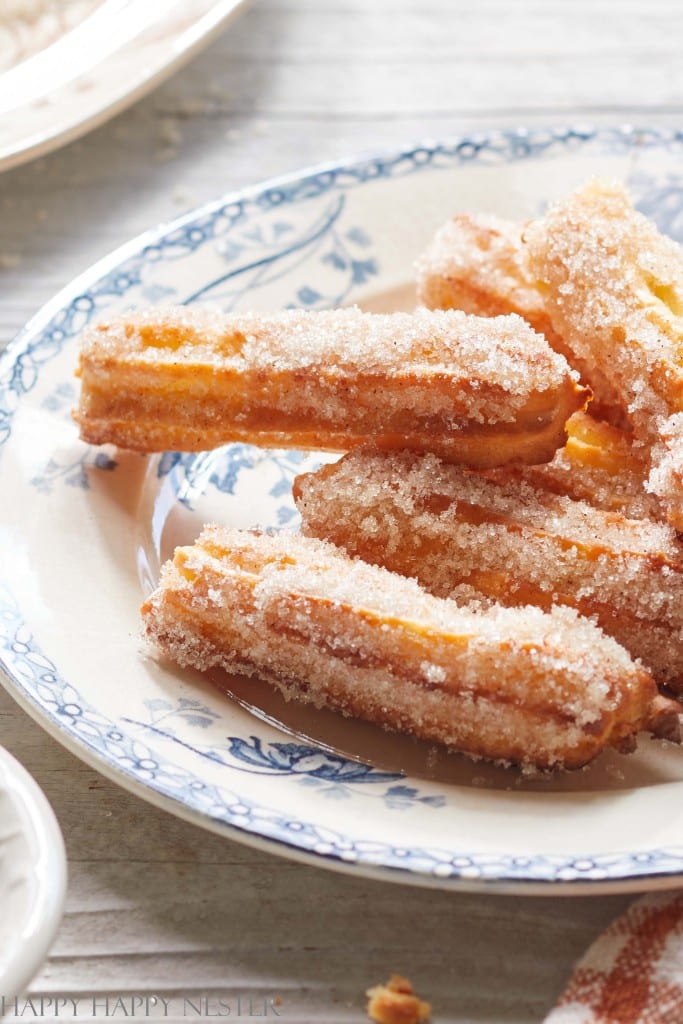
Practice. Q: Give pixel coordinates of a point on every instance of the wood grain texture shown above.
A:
(156, 905)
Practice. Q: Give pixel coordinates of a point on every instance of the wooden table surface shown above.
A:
(156, 905)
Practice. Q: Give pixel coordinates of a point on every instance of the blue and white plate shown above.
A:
(83, 530)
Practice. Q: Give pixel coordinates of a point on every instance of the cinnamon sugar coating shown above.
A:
(479, 263)
(481, 391)
(613, 286)
(519, 685)
(508, 540)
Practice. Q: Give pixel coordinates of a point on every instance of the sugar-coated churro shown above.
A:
(479, 263)
(514, 543)
(613, 286)
(481, 391)
(519, 685)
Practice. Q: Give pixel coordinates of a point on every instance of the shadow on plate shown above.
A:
(654, 763)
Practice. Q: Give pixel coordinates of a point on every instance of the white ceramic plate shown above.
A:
(83, 530)
(99, 67)
(32, 876)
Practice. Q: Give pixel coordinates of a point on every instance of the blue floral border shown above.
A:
(37, 680)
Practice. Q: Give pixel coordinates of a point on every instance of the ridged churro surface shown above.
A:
(517, 685)
(613, 286)
(509, 541)
(483, 391)
(478, 263)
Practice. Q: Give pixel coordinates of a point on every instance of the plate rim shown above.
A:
(502, 883)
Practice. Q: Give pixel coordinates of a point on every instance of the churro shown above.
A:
(451, 528)
(480, 391)
(480, 264)
(613, 286)
(517, 685)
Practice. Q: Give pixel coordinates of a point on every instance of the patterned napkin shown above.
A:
(633, 973)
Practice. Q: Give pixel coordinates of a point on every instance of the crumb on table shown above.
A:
(396, 1003)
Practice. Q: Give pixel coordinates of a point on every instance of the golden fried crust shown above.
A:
(507, 684)
(480, 264)
(614, 289)
(600, 464)
(484, 392)
(514, 543)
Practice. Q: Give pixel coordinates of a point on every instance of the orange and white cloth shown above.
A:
(633, 973)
